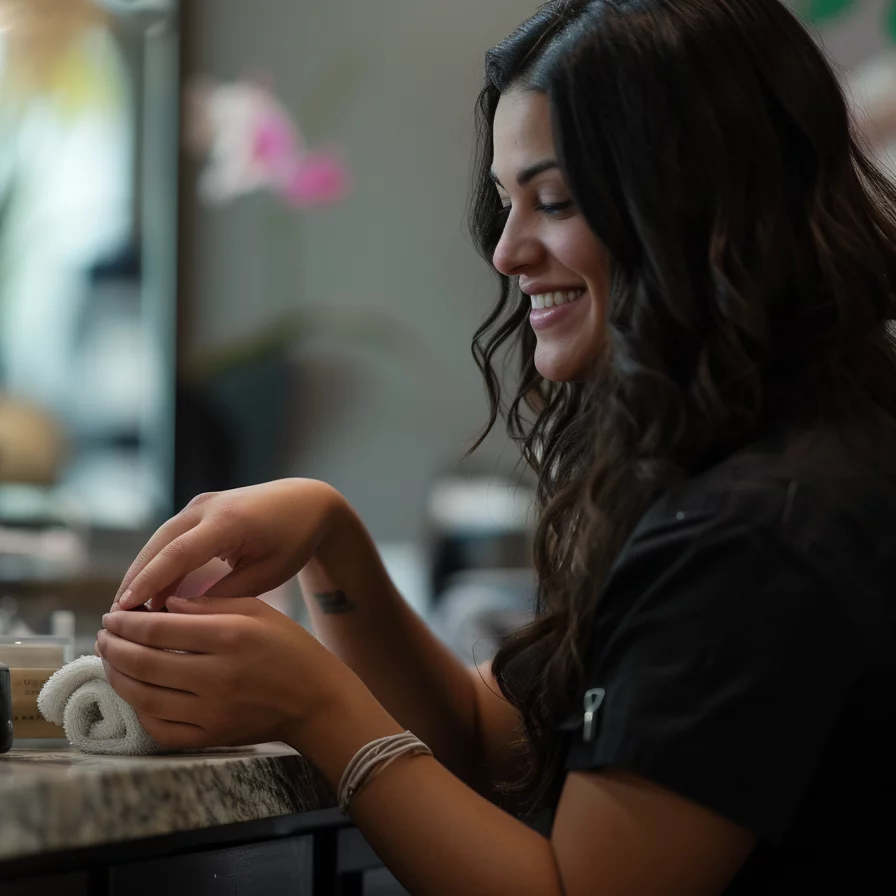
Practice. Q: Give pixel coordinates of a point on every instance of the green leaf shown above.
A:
(822, 10)
(890, 21)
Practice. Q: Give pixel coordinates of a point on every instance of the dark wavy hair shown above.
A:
(752, 246)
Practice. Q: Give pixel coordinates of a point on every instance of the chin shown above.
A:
(557, 376)
(560, 367)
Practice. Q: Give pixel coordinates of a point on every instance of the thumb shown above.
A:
(212, 606)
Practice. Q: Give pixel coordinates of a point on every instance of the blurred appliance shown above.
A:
(478, 523)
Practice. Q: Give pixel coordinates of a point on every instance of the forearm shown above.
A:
(434, 833)
(357, 612)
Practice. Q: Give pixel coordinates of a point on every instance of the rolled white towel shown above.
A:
(95, 718)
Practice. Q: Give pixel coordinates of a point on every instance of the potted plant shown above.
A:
(233, 400)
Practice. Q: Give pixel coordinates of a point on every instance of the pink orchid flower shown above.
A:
(250, 142)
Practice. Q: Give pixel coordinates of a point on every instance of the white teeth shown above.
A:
(551, 299)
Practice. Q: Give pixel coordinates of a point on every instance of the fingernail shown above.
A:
(106, 618)
(126, 597)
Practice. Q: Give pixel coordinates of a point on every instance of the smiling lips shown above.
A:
(551, 299)
(551, 308)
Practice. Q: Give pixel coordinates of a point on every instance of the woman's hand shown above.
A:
(252, 674)
(265, 533)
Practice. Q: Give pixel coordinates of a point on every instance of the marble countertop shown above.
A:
(63, 799)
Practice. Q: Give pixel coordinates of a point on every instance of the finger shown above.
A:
(154, 602)
(216, 606)
(116, 607)
(147, 664)
(150, 700)
(164, 631)
(175, 561)
(159, 603)
(194, 584)
(167, 532)
(175, 735)
(259, 578)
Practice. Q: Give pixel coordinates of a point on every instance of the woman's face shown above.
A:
(560, 263)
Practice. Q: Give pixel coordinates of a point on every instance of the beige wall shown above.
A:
(395, 82)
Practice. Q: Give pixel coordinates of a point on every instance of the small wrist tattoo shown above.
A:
(334, 602)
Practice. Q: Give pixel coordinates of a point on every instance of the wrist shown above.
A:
(327, 507)
(319, 501)
(342, 535)
(350, 718)
(341, 529)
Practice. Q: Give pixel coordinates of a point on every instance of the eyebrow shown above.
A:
(529, 173)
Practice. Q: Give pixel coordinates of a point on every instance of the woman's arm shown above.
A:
(359, 615)
(614, 834)
(253, 675)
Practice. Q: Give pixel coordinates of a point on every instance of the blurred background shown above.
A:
(232, 249)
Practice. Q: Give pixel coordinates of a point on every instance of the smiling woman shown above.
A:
(546, 243)
(699, 293)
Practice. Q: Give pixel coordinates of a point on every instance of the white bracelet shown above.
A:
(372, 758)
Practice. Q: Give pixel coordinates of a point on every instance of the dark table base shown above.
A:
(311, 854)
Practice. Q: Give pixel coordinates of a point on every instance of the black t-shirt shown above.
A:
(745, 648)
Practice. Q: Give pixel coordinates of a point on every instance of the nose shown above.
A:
(516, 250)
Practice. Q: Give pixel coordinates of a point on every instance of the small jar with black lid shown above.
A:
(5, 710)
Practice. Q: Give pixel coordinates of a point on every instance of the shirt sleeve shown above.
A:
(724, 662)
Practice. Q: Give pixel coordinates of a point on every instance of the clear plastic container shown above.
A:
(31, 662)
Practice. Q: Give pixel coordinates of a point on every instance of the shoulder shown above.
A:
(842, 471)
(820, 490)
(803, 521)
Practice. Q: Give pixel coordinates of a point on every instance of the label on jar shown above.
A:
(27, 721)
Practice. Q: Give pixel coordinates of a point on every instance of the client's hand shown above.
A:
(252, 675)
(259, 537)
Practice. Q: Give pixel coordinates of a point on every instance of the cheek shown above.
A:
(579, 250)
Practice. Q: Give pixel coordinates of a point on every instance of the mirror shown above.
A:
(88, 214)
